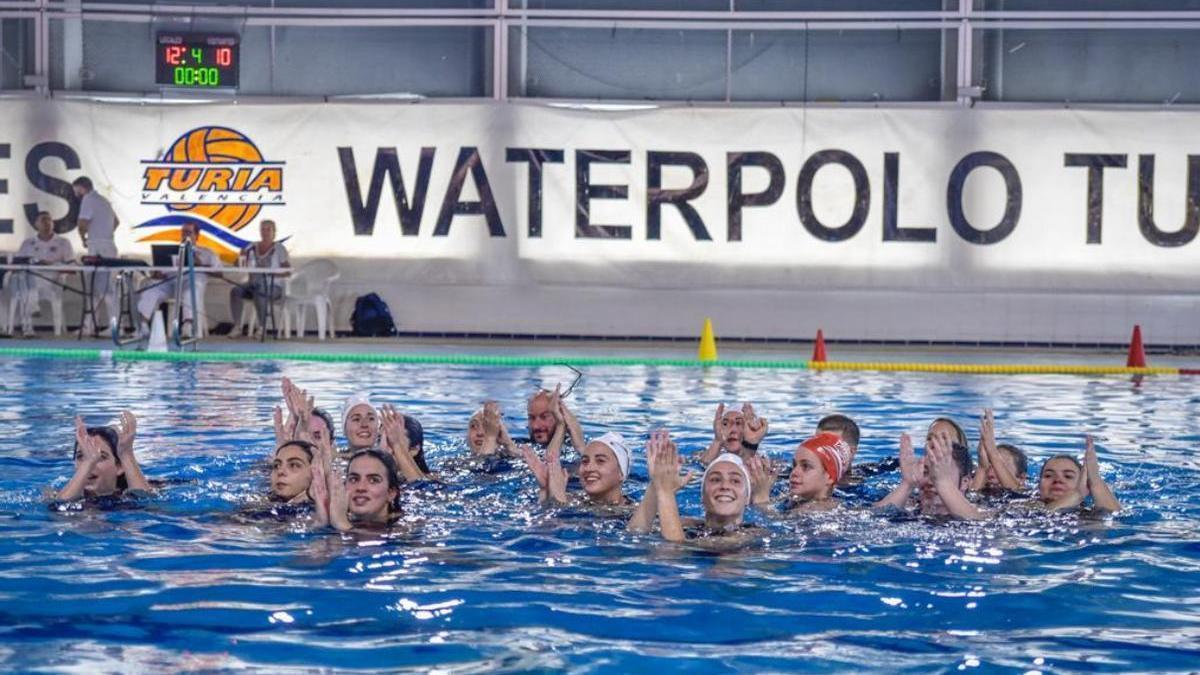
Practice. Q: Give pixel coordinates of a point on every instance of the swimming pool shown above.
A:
(491, 582)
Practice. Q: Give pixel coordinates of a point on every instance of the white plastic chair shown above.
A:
(312, 285)
(18, 298)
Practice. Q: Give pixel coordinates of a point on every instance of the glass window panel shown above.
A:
(308, 61)
(430, 61)
(647, 5)
(1114, 65)
(823, 65)
(330, 4)
(607, 63)
(1090, 5)
(843, 5)
(17, 56)
(740, 5)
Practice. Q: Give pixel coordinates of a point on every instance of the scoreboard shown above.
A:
(197, 61)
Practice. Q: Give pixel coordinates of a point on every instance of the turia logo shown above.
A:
(215, 177)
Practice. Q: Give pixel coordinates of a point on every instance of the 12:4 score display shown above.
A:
(197, 61)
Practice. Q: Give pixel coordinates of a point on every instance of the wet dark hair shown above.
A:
(416, 439)
(389, 471)
(327, 419)
(1066, 457)
(960, 435)
(1020, 461)
(843, 426)
(112, 440)
(303, 445)
(83, 182)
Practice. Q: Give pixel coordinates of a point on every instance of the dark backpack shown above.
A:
(371, 317)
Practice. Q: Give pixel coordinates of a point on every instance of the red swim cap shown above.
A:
(833, 452)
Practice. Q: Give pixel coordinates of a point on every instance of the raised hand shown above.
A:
(536, 465)
(280, 434)
(89, 448)
(1091, 466)
(987, 431)
(491, 420)
(397, 439)
(664, 462)
(755, 427)
(318, 491)
(939, 459)
(912, 471)
(720, 415)
(556, 479)
(556, 404)
(1102, 496)
(762, 478)
(126, 432)
(394, 432)
(339, 504)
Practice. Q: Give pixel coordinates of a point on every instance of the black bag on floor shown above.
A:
(371, 317)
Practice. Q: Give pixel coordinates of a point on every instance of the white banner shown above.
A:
(492, 200)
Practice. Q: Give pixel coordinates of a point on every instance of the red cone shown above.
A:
(819, 347)
(1137, 352)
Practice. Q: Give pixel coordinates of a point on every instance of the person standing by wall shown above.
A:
(96, 223)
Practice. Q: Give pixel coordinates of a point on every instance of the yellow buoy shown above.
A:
(708, 342)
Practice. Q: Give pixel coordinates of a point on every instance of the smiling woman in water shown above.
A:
(725, 493)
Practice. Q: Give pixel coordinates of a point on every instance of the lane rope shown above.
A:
(539, 361)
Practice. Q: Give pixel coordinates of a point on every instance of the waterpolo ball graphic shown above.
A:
(216, 145)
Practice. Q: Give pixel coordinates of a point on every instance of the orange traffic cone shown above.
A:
(819, 347)
(1137, 351)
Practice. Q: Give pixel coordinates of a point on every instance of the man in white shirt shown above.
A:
(43, 248)
(97, 222)
(163, 288)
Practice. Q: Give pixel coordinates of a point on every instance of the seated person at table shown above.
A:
(43, 248)
(163, 287)
(261, 288)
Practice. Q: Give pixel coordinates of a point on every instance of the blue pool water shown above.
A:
(487, 581)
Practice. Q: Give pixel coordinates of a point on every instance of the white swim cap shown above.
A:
(733, 409)
(732, 459)
(616, 443)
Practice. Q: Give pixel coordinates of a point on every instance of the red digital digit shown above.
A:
(224, 56)
(173, 54)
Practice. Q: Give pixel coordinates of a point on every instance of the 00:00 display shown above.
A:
(205, 77)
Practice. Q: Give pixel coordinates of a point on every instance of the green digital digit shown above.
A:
(198, 54)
